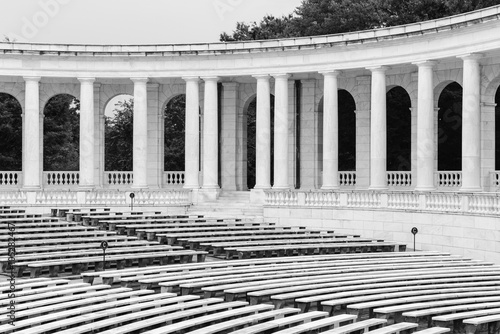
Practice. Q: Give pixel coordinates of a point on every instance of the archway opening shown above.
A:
(61, 134)
(174, 138)
(11, 133)
(398, 130)
(450, 128)
(497, 130)
(118, 148)
(251, 141)
(347, 131)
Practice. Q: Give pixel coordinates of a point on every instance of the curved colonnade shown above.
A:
(219, 79)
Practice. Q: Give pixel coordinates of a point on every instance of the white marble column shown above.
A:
(192, 145)
(263, 134)
(425, 127)
(330, 131)
(87, 163)
(210, 135)
(281, 132)
(31, 134)
(140, 152)
(471, 124)
(378, 130)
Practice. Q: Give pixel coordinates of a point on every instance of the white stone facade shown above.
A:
(302, 74)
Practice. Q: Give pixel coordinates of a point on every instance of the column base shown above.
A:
(425, 189)
(191, 187)
(139, 187)
(86, 188)
(31, 188)
(378, 188)
(208, 194)
(330, 188)
(258, 196)
(471, 190)
(280, 188)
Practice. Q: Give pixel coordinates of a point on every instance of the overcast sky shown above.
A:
(131, 21)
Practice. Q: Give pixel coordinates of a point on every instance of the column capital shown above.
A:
(374, 69)
(471, 56)
(210, 78)
(281, 76)
(32, 79)
(139, 80)
(86, 80)
(425, 63)
(191, 79)
(331, 73)
(261, 76)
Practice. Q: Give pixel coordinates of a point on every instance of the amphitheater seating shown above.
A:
(492, 322)
(360, 326)
(433, 330)
(454, 318)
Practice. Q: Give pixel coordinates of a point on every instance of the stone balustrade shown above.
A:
(10, 179)
(118, 179)
(448, 179)
(61, 179)
(173, 179)
(451, 202)
(399, 179)
(347, 179)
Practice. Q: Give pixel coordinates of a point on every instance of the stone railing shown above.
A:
(447, 179)
(477, 203)
(10, 179)
(399, 179)
(118, 179)
(61, 179)
(347, 179)
(173, 179)
(171, 197)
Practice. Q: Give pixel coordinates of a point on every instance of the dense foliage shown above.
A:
(321, 17)
(61, 134)
(118, 148)
(11, 135)
(174, 138)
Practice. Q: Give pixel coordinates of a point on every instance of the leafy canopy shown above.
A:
(322, 17)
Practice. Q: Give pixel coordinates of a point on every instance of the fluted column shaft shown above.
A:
(281, 132)
(140, 151)
(87, 163)
(330, 131)
(192, 145)
(263, 134)
(31, 134)
(378, 129)
(210, 135)
(425, 127)
(471, 124)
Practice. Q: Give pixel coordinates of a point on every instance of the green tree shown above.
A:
(174, 138)
(11, 133)
(118, 147)
(321, 17)
(61, 134)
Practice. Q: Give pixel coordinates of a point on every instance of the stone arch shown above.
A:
(61, 133)
(50, 90)
(174, 140)
(15, 89)
(118, 159)
(347, 131)
(11, 134)
(449, 128)
(399, 125)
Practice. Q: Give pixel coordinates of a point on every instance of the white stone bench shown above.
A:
(210, 318)
(358, 327)
(30, 285)
(455, 315)
(346, 274)
(397, 307)
(125, 259)
(491, 321)
(357, 293)
(17, 221)
(189, 310)
(110, 311)
(320, 325)
(244, 321)
(116, 275)
(402, 327)
(104, 298)
(433, 330)
(70, 240)
(282, 322)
